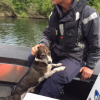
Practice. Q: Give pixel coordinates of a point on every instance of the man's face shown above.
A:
(58, 2)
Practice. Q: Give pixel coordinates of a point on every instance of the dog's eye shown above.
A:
(42, 56)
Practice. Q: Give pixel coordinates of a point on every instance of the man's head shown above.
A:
(65, 4)
(57, 2)
(60, 2)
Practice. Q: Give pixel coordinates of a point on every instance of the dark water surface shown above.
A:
(21, 32)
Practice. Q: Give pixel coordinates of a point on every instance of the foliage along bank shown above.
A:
(33, 8)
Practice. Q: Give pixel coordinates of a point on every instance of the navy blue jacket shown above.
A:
(89, 47)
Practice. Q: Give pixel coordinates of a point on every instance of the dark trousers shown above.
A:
(53, 86)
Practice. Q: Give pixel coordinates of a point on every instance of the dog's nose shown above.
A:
(49, 62)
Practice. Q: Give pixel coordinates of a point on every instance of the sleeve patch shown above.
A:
(91, 17)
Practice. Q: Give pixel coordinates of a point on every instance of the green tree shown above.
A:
(44, 7)
(95, 4)
(21, 5)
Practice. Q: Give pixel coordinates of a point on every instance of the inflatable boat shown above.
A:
(13, 66)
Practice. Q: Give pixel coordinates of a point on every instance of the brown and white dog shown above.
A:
(39, 70)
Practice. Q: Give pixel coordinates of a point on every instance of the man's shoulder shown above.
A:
(88, 11)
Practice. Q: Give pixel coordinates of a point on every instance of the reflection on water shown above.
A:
(21, 32)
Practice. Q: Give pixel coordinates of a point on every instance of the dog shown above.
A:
(39, 70)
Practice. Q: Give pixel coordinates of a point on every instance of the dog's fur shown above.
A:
(40, 70)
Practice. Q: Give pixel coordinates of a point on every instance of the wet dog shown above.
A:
(39, 70)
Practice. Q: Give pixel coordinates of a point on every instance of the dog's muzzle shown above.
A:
(49, 62)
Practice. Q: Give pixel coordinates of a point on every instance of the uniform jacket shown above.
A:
(88, 49)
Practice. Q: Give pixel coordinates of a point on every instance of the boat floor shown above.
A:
(5, 90)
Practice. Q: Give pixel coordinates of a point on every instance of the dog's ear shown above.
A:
(36, 54)
(47, 46)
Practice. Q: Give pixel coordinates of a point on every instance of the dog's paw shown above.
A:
(59, 64)
(63, 67)
(32, 90)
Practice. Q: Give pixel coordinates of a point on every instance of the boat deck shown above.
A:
(5, 90)
(71, 91)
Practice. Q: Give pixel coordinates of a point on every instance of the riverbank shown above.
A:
(33, 8)
(7, 10)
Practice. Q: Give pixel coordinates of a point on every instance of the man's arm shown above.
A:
(92, 33)
(46, 39)
(86, 73)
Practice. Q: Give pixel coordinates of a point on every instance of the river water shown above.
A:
(21, 32)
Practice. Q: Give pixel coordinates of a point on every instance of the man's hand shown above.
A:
(86, 73)
(35, 49)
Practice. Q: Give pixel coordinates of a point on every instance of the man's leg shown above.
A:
(52, 87)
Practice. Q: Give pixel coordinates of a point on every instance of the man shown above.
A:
(73, 37)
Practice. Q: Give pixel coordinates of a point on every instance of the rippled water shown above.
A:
(21, 32)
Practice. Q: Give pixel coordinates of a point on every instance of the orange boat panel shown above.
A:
(11, 73)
